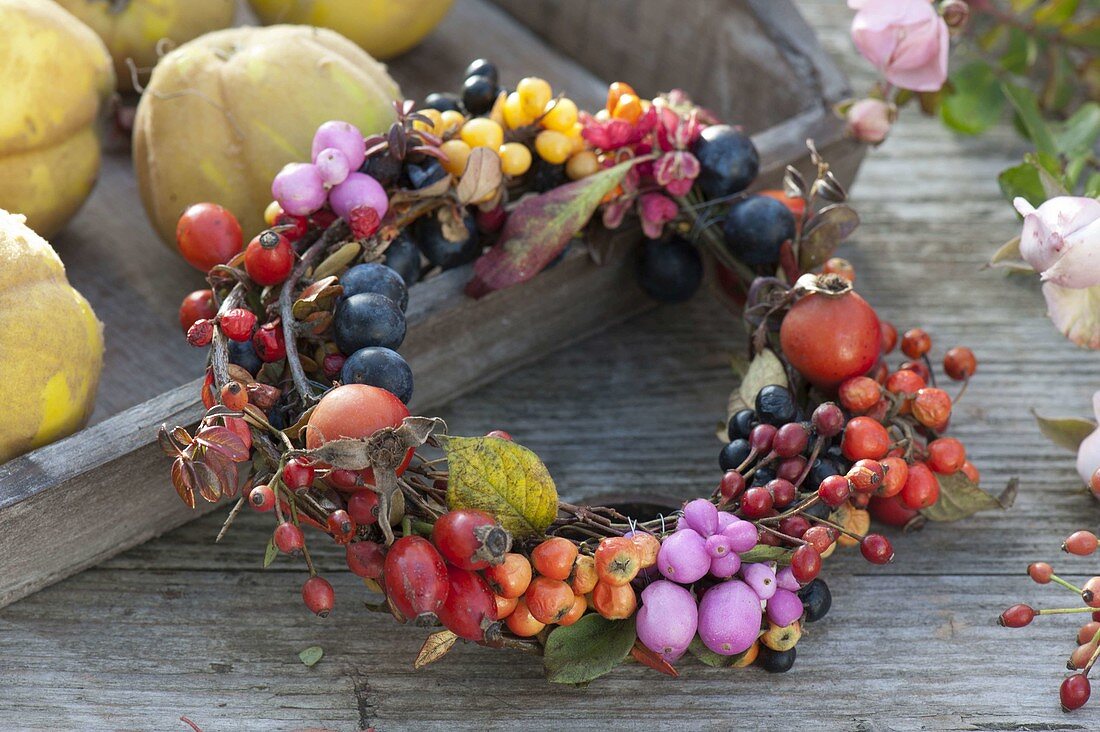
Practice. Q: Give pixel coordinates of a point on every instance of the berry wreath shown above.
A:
(304, 381)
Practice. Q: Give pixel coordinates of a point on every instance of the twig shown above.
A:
(232, 515)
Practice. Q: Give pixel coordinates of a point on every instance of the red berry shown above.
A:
(237, 324)
(298, 473)
(791, 468)
(805, 563)
(932, 408)
(959, 363)
(363, 507)
(470, 606)
(819, 537)
(905, 383)
(1017, 616)
(761, 437)
(783, 492)
(208, 235)
(893, 480)
(365, 558)
(268, 258)
(500, 434)
(829, 339)
(340, 525)
(289, 538)
(971, 472)
(834, 490)
(1074, 692)
(291, 226)
(827, 420)
(795, 526)
(1088, 632)
(889, 336)
(262, 498)
(756, 503)
(197, 306)
(891, 511)
(1081, 543)
(859, 393)
(840, 266)
(866, 476)
(200, 333)
(1090, 592)
(864, 438)
(470, 539)
(1040, 572)
(946, 455)
(415, 577)
(268, 342)
(319, 596)
(876, 549)
(731, 485)
(332, 364)
(915, 343)
(346, 480)
(790, 440)
(234, 396)
(921, 488)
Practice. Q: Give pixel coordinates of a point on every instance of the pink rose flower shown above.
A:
(906, 40)
(1088, 452)
(869, 120)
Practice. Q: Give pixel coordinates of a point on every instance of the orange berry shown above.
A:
(511, 577)
(617, 561)
(932, 408)
(946, 455)
(746, 658)
(840, 266)
(959, 363)
(864, 438)
(614, 602)
(627, 108)
(554, 558)
(234, 396)
(971, 472)
(897, 471)
(615, 91)
(859, 394)
(584, 575)
(521, 622)
(889, 336)
(796, 205)
(579, 606)
(505, 606)
(648, 545)
(549, 600)
(916, 342)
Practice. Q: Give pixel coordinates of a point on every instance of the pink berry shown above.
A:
(683, 557)
(729, 618)
(784, 608)
(299, 189)
(702, 516)
(761, 578)
(667, 620)
(343, 136)
(358, 190)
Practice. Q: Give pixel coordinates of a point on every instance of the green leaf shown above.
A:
(587, 649)
(975, 101)
(716, 660)
(766, 553)
(1065, 432)
(1022, 180)
(504, 479)
(1054, 13)
(311, 655)
(1092, 186)
(1027, 108)
(1008, 257)
(539, 228)
(961, 497)
(271, 552)
(1086, 33)
(1021, 52)
(1080, 132)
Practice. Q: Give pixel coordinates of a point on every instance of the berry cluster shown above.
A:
(1076, 689)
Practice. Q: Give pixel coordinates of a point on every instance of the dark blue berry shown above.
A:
(403, 257)
(755, 229)
(776, 662)
(543, 176)
(381, 367)
(817, 510)
(483, 67)
(366, 320)
(821, 469)
(443, 102)
(377, 278)
(733, 454)
(775, 405)
(741, 423)
(728, 160)
(670, 271)
(244, 355)
(763, 475)
(478, 94)
(431, 237)
(817, 599)
(422, 175)
(385, 169)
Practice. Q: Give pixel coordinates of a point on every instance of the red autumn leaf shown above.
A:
(225, 469)
(224, 441)
(647, 657)
(183, 480)
(539, 228)
(207, 482)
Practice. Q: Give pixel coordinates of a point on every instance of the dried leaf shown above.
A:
(1008, 256)
(504, 479)
(335, 262)
(481, 178)
(1067, 432)
(853, 519)
(824, 232)
(794, 185)
(225, 469)
(271, 552)
(961, 497)
(183, 480)
(207, 482)
(435, 646)
(310, 656)
(646, 657)
(224, 440)
(318, 296)
(294, 431)
(587, 649)
(384, 448)
(765, 369)
(767, 553)
(539, 228)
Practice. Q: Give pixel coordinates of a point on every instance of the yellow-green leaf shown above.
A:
(587, 649)
(435, 647)
(961, 497)
(765, 369)
(504, 479)
(310, 656)
(1065, 432)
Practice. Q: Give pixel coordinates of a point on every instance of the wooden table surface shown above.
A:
(180, 626)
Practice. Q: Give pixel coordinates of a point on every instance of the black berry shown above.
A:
(755, 229)
(670, 271)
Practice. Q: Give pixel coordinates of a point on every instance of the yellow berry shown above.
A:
(576, 137)
(534, 93)
(515, 158)
(482, 132)
(514, 116)
(561, 115)
(603, 115)
(450, 121)
(582, 165)
(433, 127)
(497, 112)
(553, 147)
(272, 212)
(457, 153)
(628, 108)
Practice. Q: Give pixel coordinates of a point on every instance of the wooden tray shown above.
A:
(72, 504)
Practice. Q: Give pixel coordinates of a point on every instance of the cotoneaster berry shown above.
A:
(208, 235)
(269, 258)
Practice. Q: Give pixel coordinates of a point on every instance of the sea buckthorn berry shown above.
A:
(732, 485)
(363, 507)
(615, 91)
(505, 606)
(1040, 572)
(582, 164)
(1074, 692)
(237, 324)
(648, 547)
(269, 258)
(200, 333)
(560, 114)
(580, 604)
(554, 558)
(946, 455)
(534, 94)
(791, 439)
(841, 267)
(864, 438)
(198, 305)
(915, 343)
(866, 476)
(298, 473)
(234, 396)
(1081, 543)
(876, 549)
(340, 525)
(959, 363)
(319, 596)
(288, 538)
(510, 578)
(783, 492)
(805, 563)
(521, 622)
(470, 539)
(819, 537)
(482, 132)
(628, 108)
(921, 488)
(614, 602)
(617, 561)
(208, 235)
(897, 472)
(756, 503)
(932, 408)
(450, 121)
(859, 393)
(515, 158)
(553, 147)
(457, 152)
(514, 114)
(549, 600)
(584, 575)
(889, 336)
(834, 490)
(1017, 616)
(262, 498)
